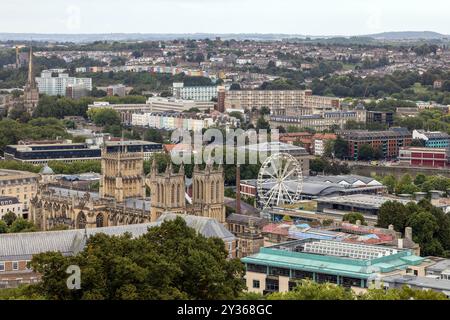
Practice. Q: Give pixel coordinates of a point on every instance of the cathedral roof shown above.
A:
(22, 246)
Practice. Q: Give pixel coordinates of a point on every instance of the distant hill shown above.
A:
(87, 38)
(409, 35)
(84, 38)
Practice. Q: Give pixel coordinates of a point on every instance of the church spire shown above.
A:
(31, 82)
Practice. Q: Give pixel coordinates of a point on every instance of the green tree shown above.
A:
(353, 217)
(262, 124)
(153, 135)
(395, 213)
(340, 148)
(22, 225)
(390, 182)
(9, 218)
(318, 165)
(425, 227)
(105, 117)
(3, 227)
(420, 179)
(366, 152)
(309, 290)
(238, 115)
(170, 261)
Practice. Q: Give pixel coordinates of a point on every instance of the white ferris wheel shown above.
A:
(279, 181)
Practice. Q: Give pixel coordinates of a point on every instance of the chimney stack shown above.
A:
(400, 243)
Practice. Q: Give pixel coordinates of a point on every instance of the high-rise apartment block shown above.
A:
(197, 93)
(54, 86)
(281, 102)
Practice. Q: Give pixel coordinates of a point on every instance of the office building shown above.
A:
(76, 91)
(388, 142)
(380, 117)
(54, 86)
(116, 90)
(196, 93)
(318, 122)
(356, 266)
(290, 102)
(425, 157)
(20, 185)
(432, 139)
(160, 104)
(43, 153)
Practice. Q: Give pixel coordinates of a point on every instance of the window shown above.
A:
(256, 284)
(2, 266)
(298, 274)
(272, 285)
(321, 278)
(15, 265)
(351, 282)
(273, 271)
(256, 268)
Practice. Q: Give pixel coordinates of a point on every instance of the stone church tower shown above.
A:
(167, 191)
(122, 173)
(208, 193)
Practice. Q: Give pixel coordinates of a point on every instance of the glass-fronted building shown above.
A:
(280, 267)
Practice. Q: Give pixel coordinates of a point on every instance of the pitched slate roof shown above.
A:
(22, 246)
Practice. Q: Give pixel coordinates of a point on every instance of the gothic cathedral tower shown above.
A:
(167, 191)
(31, 92)
(122, 172)
(208, 193)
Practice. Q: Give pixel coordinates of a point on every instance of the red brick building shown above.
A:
(425, 157)
(389, 142)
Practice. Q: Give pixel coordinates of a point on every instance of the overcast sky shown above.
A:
(312, 17)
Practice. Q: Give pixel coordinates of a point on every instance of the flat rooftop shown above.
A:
(128, 143)
(334, 257)
(421, 282)
(337, 249)
(363, 200)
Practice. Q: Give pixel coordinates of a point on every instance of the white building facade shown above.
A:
(197, 93)
(54, 86)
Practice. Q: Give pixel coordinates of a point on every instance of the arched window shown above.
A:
(212, 191)
(172, 195)
(217, 191)
(197, 187)
(178, 195)
(158, 193)
(99, 220)
(81, 220)
(201, 190)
